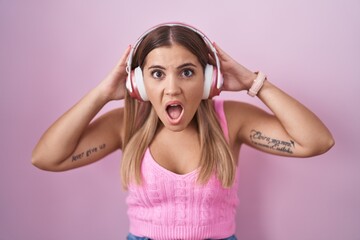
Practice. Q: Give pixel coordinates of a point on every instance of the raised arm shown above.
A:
(291, 129)
(75, 140)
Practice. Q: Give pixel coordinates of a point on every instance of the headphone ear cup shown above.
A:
(131, 85)
(210, 81)
(128, 83)
(138, 85)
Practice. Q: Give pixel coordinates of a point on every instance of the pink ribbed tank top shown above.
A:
(172, 206)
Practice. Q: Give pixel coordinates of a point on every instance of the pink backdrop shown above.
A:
(53, 52)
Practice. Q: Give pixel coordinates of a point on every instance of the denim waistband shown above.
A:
(133, 237)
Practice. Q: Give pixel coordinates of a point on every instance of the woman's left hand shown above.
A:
(236, 77)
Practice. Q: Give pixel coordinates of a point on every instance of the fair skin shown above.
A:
(173, 75)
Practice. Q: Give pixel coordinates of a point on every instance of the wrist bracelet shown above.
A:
(257, 84)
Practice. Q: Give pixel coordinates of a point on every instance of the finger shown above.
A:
(125, 55)
(221, 53)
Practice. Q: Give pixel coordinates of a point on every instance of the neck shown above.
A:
(191, 130)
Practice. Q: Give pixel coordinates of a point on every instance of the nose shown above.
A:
(172, 87)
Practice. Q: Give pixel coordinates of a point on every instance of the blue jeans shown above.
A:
(133, 237)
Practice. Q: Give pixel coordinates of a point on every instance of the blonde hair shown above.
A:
(141, 120)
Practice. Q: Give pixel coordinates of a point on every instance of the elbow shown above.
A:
(42, 163)
(328, 144)
(321, 147)
(36, 160)
(39, 162)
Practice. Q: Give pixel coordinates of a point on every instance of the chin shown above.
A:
(175, 128)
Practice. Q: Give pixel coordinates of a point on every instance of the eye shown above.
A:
(157, 74)
(187, 73)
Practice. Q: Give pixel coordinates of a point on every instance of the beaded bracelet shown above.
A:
(257, 84)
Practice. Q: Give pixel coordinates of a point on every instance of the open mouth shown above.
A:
(174, 111)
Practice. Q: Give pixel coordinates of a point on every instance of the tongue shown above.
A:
(174, 111)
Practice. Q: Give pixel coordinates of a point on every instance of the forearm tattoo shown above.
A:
(261, 140)
(88, 152)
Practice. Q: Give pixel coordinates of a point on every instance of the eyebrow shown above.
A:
(157, 67)
(179, 67)
(186, 65)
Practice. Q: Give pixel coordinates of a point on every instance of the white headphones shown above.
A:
(213, 77)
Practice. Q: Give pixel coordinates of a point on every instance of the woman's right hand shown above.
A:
(113, 86)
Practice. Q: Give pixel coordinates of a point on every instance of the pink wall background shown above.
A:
(53, 52)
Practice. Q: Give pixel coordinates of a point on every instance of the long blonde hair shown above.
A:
(141, 120)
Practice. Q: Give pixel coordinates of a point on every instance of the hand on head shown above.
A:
(113, 86)
(236, 77)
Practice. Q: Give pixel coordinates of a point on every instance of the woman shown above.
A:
(180, 148)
